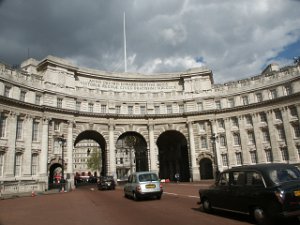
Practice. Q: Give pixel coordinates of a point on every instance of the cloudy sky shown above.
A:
(234, 38)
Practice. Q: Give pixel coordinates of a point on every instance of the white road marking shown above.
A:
(189, 196)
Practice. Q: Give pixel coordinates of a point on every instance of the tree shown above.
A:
(94, 162)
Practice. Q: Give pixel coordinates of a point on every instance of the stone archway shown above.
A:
(206, 169)
(131, 154)
(90, 136)
(173, 156)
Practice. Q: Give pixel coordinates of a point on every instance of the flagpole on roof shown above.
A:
(125, 54)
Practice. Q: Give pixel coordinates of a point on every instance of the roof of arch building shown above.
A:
(55, 78)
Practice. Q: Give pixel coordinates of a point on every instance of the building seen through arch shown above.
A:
(52, 112)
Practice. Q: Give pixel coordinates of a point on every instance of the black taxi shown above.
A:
(264, 191)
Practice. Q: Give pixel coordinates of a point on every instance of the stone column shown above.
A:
(273, 134)
(194, 168)
(261, 156)
(112, 149)
(70, 148)
(244, 141)
(44, 151)
(289, 136)
(152, 153)
(9, 167)
(28, 124)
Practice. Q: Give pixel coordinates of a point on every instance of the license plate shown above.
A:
(150, 186)
(297, 193)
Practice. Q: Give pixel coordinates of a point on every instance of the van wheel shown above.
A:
(260, 216)
(206, 205)
(135, 198)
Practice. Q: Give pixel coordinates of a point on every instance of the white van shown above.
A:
(143, 185)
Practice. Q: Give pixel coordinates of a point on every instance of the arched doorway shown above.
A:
(206, 169)
(55, 174)
(131, 154)
(173, 156)
(89, 144)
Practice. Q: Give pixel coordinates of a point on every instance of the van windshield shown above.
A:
(282, 175)
(148, 177)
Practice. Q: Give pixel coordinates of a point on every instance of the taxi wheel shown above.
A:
(206, 205)
(260, 216)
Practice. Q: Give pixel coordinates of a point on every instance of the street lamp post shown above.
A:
(213, 141)
(62, 140)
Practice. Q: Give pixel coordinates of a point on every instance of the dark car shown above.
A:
(264, 191)
(106, 183)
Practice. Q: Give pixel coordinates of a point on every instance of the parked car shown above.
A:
(106, 183)
(143, 185)
(264, 191)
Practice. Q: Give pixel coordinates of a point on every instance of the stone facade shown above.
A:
(166, 123)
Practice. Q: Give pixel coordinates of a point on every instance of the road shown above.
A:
(88, 206)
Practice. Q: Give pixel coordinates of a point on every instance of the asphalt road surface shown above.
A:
(88, 206)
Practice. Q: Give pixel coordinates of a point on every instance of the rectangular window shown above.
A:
(7, 90)
(200, 106)
(293, 111)
(224, 160)
(22, 96)
(269, 156)
(169, 109)
(231, 103)
(202, 126)
(157, 109)
(239, 160)
(18, 164)
(1, 164)
(103, 108)
(251, 139)
(263, 117)
(249, 120)
(284, 154)
(91, 107)
(35, 131)
(288, 90)
(203, 142)
(2, 126)
(38, 99)
(273, 94)
(222, 141)
(234, 122)
(245, 100)
(296, 130)
(118, 109)
(130, 110)
(221, 123)
(181, 108)
(34, 164)
(19, 129)
(78, 105)
(281, 134)
(266, 136)
(277, 113)
(259, 97)
(143, 109)
(218, 105)
(56, 126)
(59, 102)
(253, 157)
(236, 139)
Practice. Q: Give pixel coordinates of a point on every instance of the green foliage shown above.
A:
(94, 161)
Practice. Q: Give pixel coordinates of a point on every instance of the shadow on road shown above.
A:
(246, 218)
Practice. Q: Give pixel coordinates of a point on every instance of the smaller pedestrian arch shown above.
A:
(206, 169)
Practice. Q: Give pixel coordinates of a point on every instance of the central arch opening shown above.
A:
(173, 156)
(131, 155)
